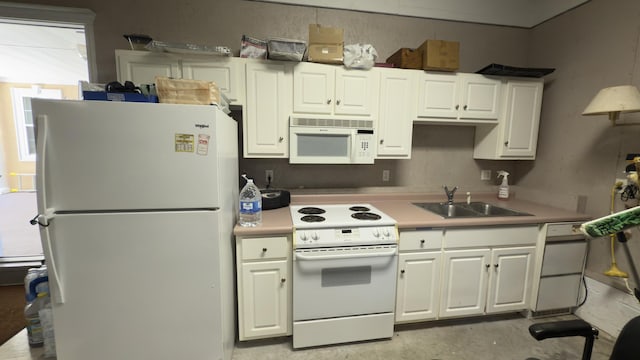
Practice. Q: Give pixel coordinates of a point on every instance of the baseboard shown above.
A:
(607, 308)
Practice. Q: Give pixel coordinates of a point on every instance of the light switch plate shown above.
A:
(485, 174)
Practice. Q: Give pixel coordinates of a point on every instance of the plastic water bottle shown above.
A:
(250, 204)
(32, 316)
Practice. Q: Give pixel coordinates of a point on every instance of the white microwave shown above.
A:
(331, 141)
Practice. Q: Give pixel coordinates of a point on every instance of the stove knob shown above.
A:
(386, 232)
(303, 236)
(376, 233)
(315, 236)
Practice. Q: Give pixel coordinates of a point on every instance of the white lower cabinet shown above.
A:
(418, 286)
(487, 270)
(464, 282)
(264, 286)
(419, 270)
(464, 272)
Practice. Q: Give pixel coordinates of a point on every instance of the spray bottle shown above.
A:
(503, 190)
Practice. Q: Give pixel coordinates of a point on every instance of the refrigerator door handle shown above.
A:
(43, 220)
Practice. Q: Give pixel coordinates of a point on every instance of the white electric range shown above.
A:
(344, 274)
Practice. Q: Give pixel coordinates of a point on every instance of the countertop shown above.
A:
(399, 206)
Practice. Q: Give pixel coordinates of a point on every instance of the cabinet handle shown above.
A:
(337, 102)
(283, 280)
(495, 265)
(264, 249)
(280, 139)
(422, 241)
(328, 101)
(402, 271)
(506, 143)
(488, 266)
(465, 107)
(457, 107)
(381, 141)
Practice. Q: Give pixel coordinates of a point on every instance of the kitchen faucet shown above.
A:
(450, 194)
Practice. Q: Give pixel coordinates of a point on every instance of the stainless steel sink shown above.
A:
(474, 209)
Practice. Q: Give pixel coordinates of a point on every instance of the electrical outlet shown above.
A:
(268, 176)
(385, 175)
(485, 174)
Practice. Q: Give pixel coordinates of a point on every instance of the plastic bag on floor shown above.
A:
(360, 56)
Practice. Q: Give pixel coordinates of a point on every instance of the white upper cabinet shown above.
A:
(141, 67)
(395, 123)
(458, 99)
(226, 72)
(334, 90)
(266, 115)
(515, 137)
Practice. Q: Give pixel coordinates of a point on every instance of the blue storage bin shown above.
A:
(130, 97)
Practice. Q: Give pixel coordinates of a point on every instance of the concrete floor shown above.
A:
(495, 338)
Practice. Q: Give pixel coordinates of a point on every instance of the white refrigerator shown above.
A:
(137, 205)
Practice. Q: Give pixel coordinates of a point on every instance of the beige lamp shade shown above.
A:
(613, 101)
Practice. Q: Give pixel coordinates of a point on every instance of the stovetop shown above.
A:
(341, 225)
(338, 216)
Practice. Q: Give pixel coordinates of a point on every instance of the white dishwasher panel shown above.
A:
(558, 292)
(564, 257)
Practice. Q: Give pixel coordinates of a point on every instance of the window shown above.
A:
(25, 130)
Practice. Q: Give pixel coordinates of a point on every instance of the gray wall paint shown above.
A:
(592, 46)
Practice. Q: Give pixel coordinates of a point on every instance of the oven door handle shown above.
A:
(300, 256)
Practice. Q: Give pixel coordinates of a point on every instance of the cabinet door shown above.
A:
(464, 282)
(438, 96)
(266, 115)
(480, 97)
(142, 67)
(395, 123)
(356, 92)
(264, 299)
(522, 118)
(511, 279)
(313, 88)
(227, 73)
(418, 286)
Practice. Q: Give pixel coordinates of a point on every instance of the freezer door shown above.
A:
(101, 155)
(139, 285)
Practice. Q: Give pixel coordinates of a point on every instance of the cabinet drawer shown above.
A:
(421, 240)
(264, 248)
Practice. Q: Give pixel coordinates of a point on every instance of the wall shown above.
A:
(9, 144)
(591, 46)
(583, 155)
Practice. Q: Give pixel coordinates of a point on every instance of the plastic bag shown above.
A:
(360, 56)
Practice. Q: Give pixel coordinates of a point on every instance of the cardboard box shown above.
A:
(406, 58)
(440, 55)
(185, 91)
(326, 45)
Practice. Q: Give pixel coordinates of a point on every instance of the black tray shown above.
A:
(503, 70)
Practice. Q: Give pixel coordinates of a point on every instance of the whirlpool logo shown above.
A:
(202, 126)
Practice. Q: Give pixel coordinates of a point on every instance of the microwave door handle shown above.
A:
(344, 256)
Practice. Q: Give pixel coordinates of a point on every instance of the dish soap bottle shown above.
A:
(503, 190)
(250, 204)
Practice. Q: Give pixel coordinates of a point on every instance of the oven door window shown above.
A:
(324, 145)
(346, 276)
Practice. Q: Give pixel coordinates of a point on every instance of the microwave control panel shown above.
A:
(364, 148)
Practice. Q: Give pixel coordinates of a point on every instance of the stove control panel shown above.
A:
(346, 236)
